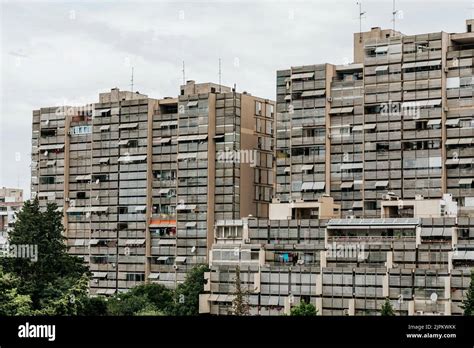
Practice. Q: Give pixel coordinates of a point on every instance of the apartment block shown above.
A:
(141, 181)
(11, 201)
(373, 194)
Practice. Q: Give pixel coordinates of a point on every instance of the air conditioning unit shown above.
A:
(446, 69)
(446, 109)
(247, 240)
(300, 262)
(329, 99)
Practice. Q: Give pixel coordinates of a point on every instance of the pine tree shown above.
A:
(240, 305)
(387, 309)
(468, 302)
(55, 272)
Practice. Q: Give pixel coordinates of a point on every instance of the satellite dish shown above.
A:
(46, 153)
(434, 297)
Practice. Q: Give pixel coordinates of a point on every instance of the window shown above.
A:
(382, 147)
(47, 180)
(80, 130)
(81, 195)
(421, 125)
(133, 143)
(123, 210)
(258, 108)
(122, 226)
(48, 132)
(135, 277)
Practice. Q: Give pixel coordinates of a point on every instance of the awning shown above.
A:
(99, 112)
(83, 177)
(163, 258)
(180, 259)
(288, 97)
(370, 126)
(99, 275)
(465, 181)
(192, 137)
(93, 242)
(104, 128)
(186, 207)
(452, 141)
(381, 68)
(421, 64)
(381, 49)
(307, 167)
(358, 204)
(51, 147)
(123, 142)
(191, 224)
(141, 208)
(104, 160)
(153, 276)
(358, 128)
(345, 110)
(164, 191)
(76, 210)
(128, 126)
(168, 123)
(46, 194)
(132, 158)
(318, 93)
(465, 141)
(137, 242)
(433, 122)
(466, 160)
(192, 103)
(79, 242)
(381, 183)
(186, 155)
(161, 141)
(452, 161)
(287, 169)
(452, 122)
(302, 76)
(51, 163)
(307, 186)
(346, 185)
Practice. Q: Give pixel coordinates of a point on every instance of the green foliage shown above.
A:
(304, 309)
(93, 306)
(56, 282)
(187, 293)
(468, 302)
(146, 299)
(12, 303)
(387, 309)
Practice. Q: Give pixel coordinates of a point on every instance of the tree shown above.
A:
(55, 276)
(187, 293)
(468, 302)
(93, 306)
(11, 302)
(158, 295)
(304, 309)
(240, 305)
(387, 308)
(129, 304)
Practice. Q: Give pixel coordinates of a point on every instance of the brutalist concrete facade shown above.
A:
(142, 180)
(389, 139)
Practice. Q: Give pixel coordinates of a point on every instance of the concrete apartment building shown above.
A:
(141, 181)
(374, 186)
(11, 201)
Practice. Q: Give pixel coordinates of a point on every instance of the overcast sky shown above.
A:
(66, 52)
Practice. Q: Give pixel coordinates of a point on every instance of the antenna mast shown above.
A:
(184, 74)
(131, 80)
(394, 15)
(220, 76)
(361, 14)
